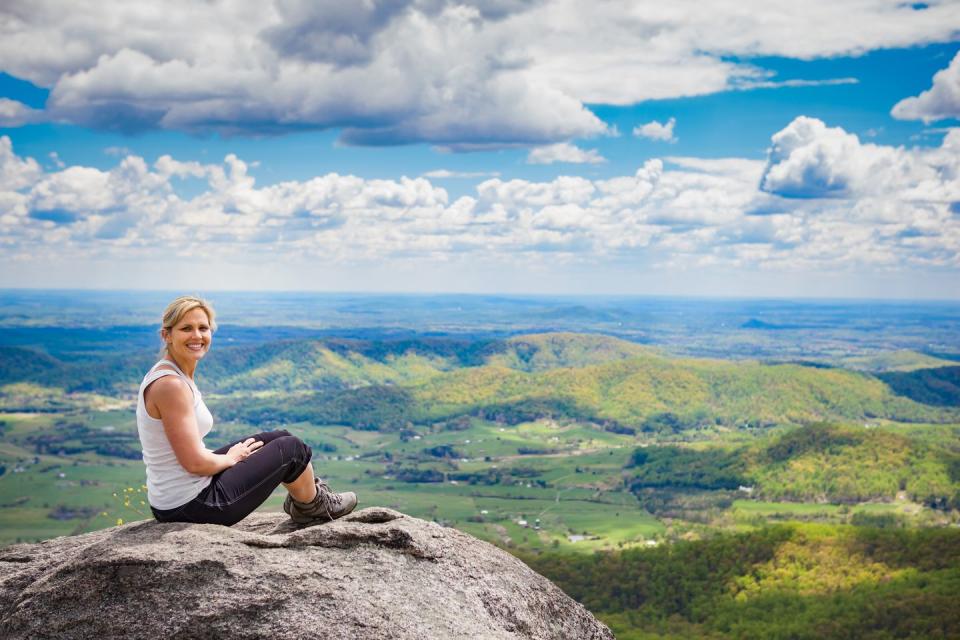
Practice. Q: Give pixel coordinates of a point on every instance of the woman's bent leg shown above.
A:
(303, 488)
(235, 492)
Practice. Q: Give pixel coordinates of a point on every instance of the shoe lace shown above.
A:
(329, 500)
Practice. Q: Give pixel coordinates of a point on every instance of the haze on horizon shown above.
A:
(483, 146)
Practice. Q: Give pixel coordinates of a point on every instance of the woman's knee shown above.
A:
(297, 454)
(296, 446)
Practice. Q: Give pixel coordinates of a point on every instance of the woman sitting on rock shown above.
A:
(186, 482)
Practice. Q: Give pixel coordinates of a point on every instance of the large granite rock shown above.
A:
(375, 574)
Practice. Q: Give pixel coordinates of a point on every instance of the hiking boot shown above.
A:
(326, 506)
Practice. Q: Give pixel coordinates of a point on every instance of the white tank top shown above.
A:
(169, 485)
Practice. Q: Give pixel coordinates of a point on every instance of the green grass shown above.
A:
(89, 481)
(21, 524)
(751, 507)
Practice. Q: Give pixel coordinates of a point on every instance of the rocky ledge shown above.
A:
(376, 574)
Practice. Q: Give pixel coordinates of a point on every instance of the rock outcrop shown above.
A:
(375, 574)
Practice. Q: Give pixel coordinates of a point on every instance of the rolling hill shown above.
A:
(579, 376)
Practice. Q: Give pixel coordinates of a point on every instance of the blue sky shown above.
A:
(483, 146)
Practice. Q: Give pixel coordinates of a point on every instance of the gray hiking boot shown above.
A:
(326, 506)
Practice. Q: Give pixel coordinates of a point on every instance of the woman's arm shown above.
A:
(172, 400)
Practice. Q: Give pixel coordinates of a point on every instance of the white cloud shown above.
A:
(564, 152)
(656, 130)
(432, 73)
(777, 84)
(939, 102)
(810, 160)
(462, 75)
(516, 194)
(828, 201)
(16, 173)
(17, 114)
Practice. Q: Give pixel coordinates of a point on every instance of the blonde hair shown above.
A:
(180, 307)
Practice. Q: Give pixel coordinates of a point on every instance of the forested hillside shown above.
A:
(812, 463)
(799, 581)
(937, 386)
(585, 377)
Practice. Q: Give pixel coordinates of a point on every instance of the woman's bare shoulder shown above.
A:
(167, 387)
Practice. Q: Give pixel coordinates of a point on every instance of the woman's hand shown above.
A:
(243, 450)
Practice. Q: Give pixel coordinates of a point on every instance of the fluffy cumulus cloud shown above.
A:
(808, 159)
(940, 102)
(878, 205)
(654, 130)
(461, 74)
(823, 199)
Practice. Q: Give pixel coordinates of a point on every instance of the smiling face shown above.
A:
(189, 339)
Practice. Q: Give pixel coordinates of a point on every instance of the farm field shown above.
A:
(87, 491)
(572, 497)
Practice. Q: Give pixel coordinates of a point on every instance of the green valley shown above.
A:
(703, 492)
